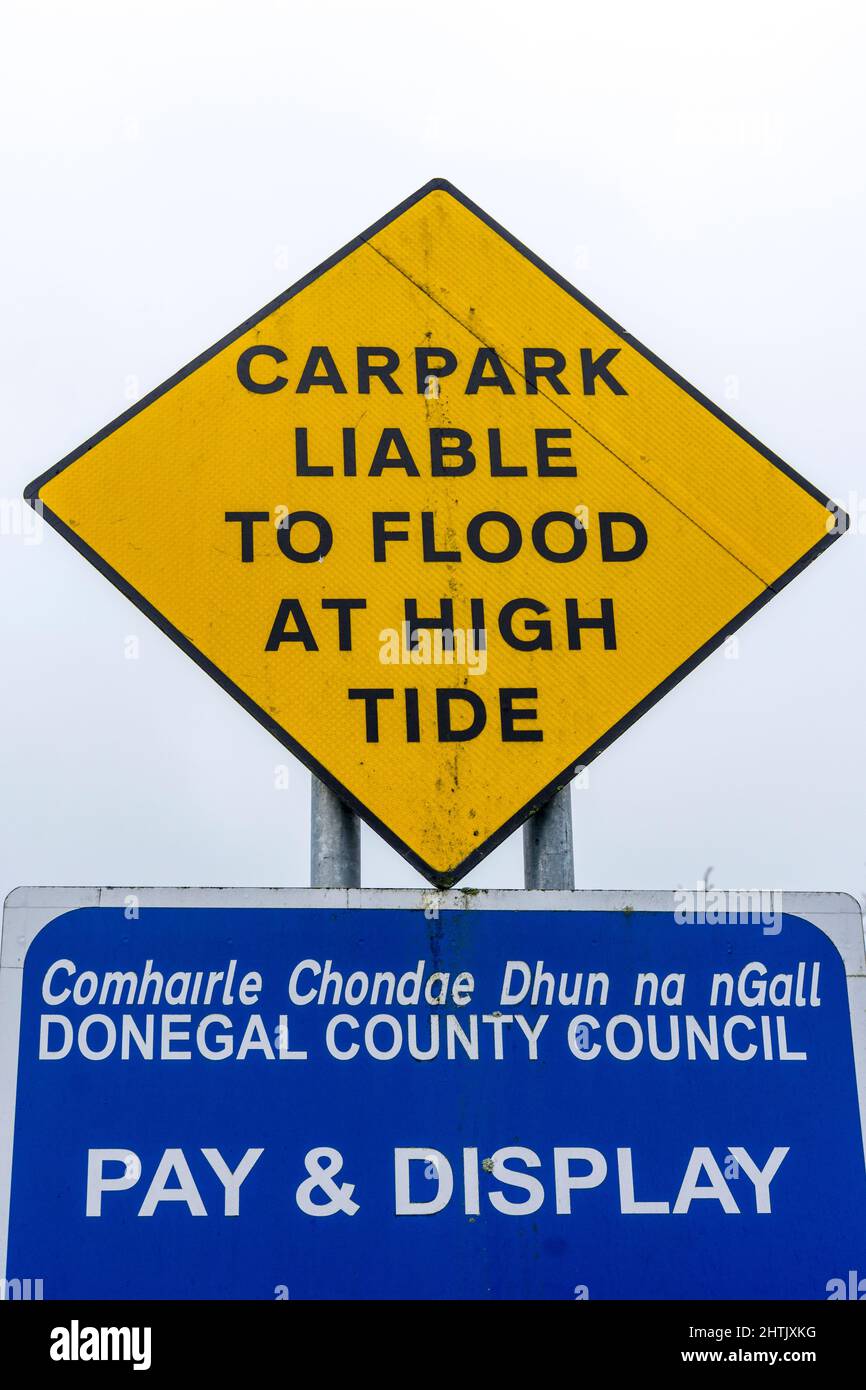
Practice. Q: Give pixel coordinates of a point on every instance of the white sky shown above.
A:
(168, 168)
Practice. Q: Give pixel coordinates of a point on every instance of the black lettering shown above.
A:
(497, 468)
(245, 361)
(247, 521)
(349, 457)
(445, 621)
(606, 523)
(344, 608)
(304, 557)
(381, 534)
(384, 370)
(413, 723)
(426, 366)
(533, 369)
(484, 358)
(598, 367)
(320, 357)
(371, 700)
(509, 716)
(575, 624)
(445, 700)
(462, 449)
(577, 537)
(391, 438)
(479, 632)
(303, 467)
(494, 557)
(544, 452)
(291, 608)
(428, 540)
(542, 639)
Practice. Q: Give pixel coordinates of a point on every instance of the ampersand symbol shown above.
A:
(339, 1194)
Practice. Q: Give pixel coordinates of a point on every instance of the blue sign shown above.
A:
(407, 1102)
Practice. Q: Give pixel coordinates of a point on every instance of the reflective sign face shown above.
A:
(440, 524)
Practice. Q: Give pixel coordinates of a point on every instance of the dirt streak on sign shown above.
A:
(440, 524)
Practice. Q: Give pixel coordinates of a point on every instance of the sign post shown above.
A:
(548, 845)
(335, 840)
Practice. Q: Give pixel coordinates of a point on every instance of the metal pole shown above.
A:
(548, 844)
(335, 840)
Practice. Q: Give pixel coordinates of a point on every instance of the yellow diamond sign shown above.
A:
(439, 523)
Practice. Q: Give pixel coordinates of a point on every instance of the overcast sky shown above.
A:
(168, 168)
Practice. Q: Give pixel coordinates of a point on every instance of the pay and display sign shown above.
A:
(313, 1094)
(439, 524)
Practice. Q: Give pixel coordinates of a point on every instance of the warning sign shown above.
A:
(439, 524)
